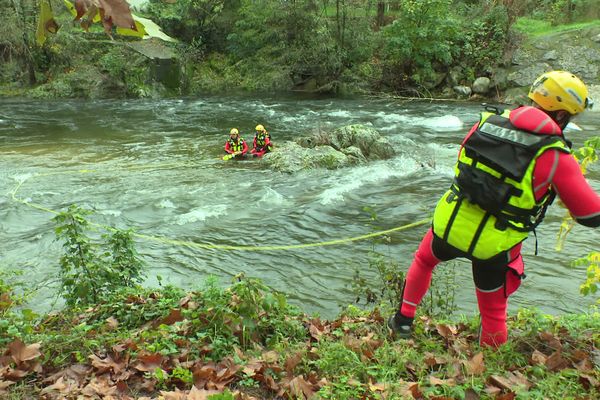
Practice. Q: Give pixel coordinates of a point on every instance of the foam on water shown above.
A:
(272, 198)
(392, 118)
(340, 113)
(165, 203)
(201, 214)
(445, 122)
(351, 180)
(442, 160)
(112, 213)
(20, 178)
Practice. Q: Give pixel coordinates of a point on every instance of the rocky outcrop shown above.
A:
(577, 51)
(345, 146)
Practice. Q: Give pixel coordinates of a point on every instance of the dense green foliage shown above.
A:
(87, 272)
(413, 47)
(157, 342)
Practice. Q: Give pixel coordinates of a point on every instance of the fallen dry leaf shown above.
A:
(299, 388)
(58, 386)
(292, 361)
(378, 387)
(446, 330)
(434, 381)
(556, 362)
(21, 352)
(475, 365)
(431, 360)
(105, 364)
(112, 323)
(551, 340)
(201, 394)
(176, 395)
(589, 381)
(270, 356)
(174, 316)
(100, 386)
(149, 361)
(471, 394)
(506, 396)
(538, 358)
(500, 381)
(4, 385)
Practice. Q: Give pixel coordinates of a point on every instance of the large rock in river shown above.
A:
(348, 145)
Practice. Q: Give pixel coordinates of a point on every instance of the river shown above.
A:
(153, 165)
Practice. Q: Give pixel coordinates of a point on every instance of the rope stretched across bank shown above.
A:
(210, 246)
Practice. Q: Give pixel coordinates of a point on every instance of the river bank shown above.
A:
(246, 342)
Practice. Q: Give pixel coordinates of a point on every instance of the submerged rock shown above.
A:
(345, 146)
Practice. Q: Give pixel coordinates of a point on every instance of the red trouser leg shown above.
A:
(418, 277)
(493, 304)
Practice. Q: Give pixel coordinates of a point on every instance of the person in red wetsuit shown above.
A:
(262, 142)
(235, 146)
(510, 166)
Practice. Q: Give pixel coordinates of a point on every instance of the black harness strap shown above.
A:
(452, 217)
(478, 232)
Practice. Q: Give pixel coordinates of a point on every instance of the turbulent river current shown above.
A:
(154, 166)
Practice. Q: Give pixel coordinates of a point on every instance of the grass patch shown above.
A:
(246, 342)
(537, 27)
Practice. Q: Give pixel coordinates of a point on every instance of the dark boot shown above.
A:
(400, 325)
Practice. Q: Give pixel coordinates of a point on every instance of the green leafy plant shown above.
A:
(87, 275)
(8, 295)
(418, 43)
(585, 155)
(592, 281)
(226, 395)
(440, 300)
(389, 277)
(123, 257)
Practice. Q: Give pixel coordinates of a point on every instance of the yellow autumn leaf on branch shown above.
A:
(46, 23)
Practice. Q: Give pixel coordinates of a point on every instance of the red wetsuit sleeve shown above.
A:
(245, 148)
(469, 135)
(228, 147)
(254, 142)
(562, 172)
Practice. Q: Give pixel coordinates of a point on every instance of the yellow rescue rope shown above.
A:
(208, 246)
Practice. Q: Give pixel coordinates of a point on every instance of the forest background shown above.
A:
(415, 48)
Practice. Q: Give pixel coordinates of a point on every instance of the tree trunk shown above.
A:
(380, 15)
(25, 51)
(570, 7)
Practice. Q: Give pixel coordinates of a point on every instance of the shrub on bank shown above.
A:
(246, 341)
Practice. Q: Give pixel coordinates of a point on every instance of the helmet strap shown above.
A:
(561, 117)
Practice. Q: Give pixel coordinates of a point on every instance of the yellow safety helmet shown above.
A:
(260, 128)
(234, 131)
(560, 90)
